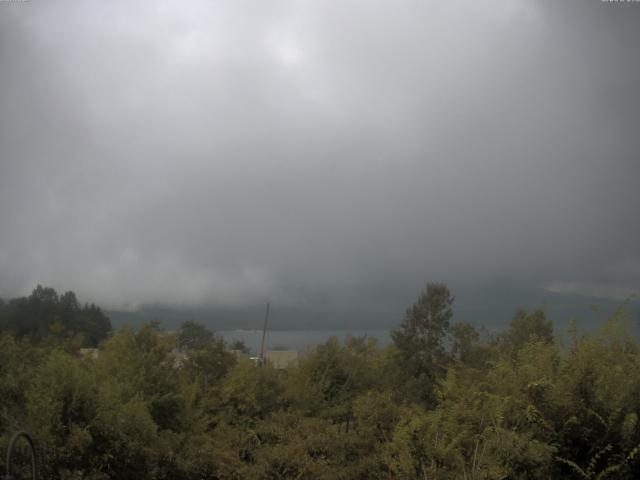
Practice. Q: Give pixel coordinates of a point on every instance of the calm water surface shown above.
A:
(298, 339)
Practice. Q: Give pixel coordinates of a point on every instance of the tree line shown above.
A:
(442, 401)
(45, 314)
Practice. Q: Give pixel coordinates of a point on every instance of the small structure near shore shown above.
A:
(282, 359)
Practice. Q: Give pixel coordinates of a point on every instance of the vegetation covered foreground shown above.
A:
(441, 402)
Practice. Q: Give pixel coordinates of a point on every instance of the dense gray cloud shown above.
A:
(333, 152)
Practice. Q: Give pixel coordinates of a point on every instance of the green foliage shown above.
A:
(209, 364)
(251, 393)
(420, 341)
(240, 346)
(331, 377)
(526, 327)
(44, 314)
(194, 335)
(439, 403)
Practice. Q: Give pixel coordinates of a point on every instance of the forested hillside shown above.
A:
(444, 401)
(45, 314)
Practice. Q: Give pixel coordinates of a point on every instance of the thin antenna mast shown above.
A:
(264, 334)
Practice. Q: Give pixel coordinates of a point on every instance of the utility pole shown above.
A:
(264, 334)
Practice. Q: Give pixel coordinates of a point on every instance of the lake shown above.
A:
(298, 340)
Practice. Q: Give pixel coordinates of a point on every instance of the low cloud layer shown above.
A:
(317, 152)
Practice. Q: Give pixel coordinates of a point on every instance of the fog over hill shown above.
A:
(482, 310)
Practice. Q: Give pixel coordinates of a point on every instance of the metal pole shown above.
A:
(264, 333)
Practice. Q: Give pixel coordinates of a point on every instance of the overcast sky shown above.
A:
(221, 152)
